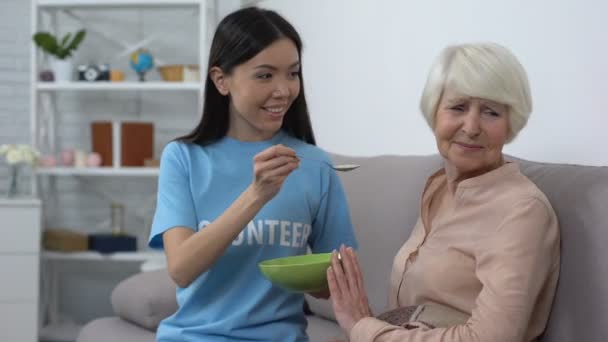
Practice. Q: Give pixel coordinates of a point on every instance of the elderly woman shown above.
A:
(482, 263)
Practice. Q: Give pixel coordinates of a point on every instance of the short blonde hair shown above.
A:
(482, 70)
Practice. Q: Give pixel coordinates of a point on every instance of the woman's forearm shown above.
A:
(191, 254)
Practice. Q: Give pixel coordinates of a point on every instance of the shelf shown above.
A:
(98, 171)
(19, 202)
(88, 86)
(95, 256)
(117, 3)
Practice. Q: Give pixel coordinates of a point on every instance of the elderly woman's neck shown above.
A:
(454, 175)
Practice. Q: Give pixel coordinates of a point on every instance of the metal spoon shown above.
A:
(339, 167)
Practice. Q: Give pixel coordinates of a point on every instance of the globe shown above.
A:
(141, 61)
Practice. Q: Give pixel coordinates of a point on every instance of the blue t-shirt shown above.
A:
(233, 301)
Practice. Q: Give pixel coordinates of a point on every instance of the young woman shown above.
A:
(234, 192)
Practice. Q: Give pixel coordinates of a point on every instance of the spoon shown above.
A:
(339, 167)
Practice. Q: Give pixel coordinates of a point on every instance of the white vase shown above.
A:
(62, 69)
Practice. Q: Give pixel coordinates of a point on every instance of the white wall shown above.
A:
(365, 64)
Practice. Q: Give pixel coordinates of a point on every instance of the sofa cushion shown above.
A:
(384, 196)
(114, 329)
(145, 298)
(579, 196)
(321, 330)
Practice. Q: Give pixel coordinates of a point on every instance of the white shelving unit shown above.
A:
(45, 114)
(116, 86)
(94, 256)
(47, 91)
(98, 171)
(116, 3)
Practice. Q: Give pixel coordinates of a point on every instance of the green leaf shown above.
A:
(65, 39)
(49, 43)
(76, 41)
(46, 42)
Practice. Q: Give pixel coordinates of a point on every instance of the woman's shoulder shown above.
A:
(524, 195)
(175, 147)
(526, 189)
(177, 150)
(527, 215)
(183, 147)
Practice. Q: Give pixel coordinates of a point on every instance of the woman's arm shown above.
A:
(189, 253)
(515, 266)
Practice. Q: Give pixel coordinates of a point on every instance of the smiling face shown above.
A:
(470, 133)
(261, 91)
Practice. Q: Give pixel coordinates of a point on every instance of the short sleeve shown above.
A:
(332, 224)
(174, 203)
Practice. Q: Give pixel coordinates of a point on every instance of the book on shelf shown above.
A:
(123, 144)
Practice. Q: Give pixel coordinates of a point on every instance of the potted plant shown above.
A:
(60, 51)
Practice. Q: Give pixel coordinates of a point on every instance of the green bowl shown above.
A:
(300, 273)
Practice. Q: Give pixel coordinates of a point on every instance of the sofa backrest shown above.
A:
(579, 196)
(384, 197)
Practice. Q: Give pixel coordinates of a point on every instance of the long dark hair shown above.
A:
(239, 37)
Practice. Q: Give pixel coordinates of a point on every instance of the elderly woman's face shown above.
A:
(471, 132)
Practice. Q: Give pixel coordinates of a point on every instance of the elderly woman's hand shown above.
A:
(348, 295)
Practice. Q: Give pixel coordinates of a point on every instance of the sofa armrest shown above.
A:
(145, 298)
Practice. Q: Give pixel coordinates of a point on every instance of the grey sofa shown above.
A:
(384, 199)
